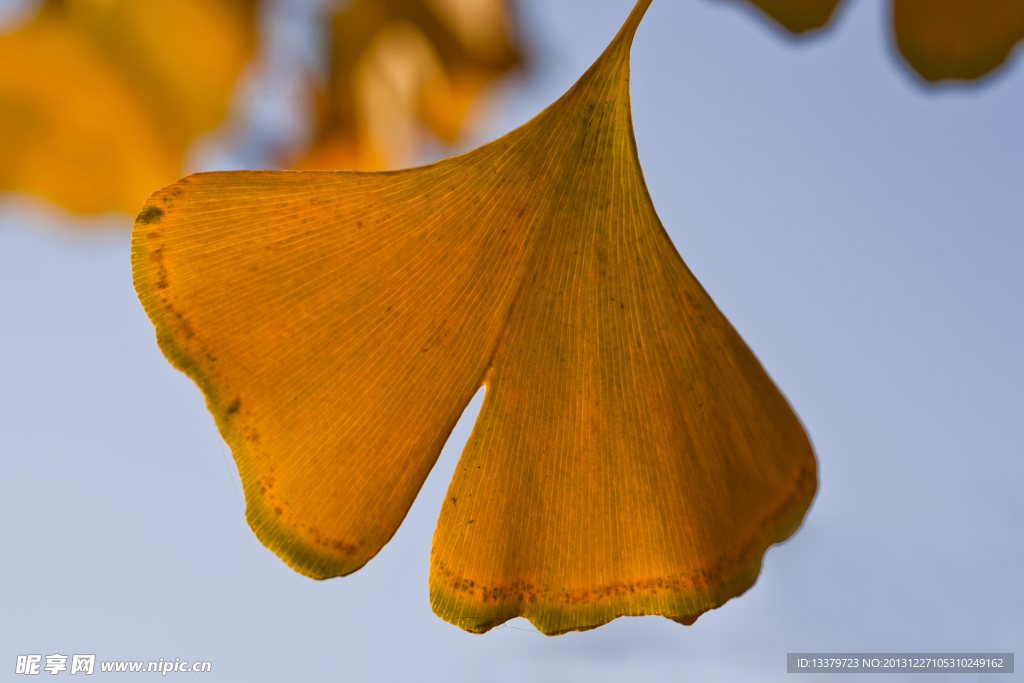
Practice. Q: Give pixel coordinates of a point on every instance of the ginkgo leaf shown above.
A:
(398, 66)
(954, 39)
(100, 98)
(798, 15)
(631, 455)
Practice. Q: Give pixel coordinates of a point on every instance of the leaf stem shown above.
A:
(632, 21)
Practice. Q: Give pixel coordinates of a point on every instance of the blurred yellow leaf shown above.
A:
(100, 98)
(631, 456)
(955, 39)
(798, 15)
(940, 39)
(401, 65)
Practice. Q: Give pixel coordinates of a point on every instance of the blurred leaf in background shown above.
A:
(944, 39)
(401, 67)
(99, 99)
(798, 15)
(939, 39)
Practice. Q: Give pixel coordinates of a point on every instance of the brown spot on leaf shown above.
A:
(149, 215)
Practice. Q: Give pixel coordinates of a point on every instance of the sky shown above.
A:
(862, 232)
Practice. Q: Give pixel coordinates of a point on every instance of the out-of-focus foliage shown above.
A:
(631, 455)
(100, 98)
(940, 39)
(798, 15)
(399, 65)
(957, 38)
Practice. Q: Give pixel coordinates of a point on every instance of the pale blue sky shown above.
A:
(864, 234)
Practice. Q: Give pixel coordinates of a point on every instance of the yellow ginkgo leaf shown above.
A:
(954, 39)
(798, 15)
(400, 65)
(631, 456)
(100, 98)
